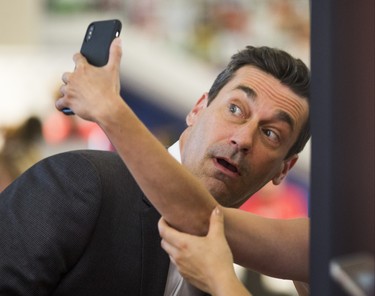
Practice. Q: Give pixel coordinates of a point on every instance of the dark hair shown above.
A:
(281, 65)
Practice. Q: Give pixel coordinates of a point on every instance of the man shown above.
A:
(73, 234)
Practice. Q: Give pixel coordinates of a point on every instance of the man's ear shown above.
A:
(286, 166)
(199, 105)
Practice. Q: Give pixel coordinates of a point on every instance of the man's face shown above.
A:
(239, 142)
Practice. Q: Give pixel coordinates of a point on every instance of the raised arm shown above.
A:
(93, 94)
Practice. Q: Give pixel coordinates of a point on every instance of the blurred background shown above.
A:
(173, 51)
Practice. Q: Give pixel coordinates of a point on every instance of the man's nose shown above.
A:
(243, 137)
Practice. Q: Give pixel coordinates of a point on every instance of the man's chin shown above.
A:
(222, 196)
(220, 191)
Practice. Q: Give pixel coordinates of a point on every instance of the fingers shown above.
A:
(166, 232)
(171, 250)
(163, 230)
(176, 238)
(172, 235)
(60, 103)
(216, 222)
(68, 79)
(172, 239)
(161, 226)
(115, 53)
(65, 77)
(79, 59)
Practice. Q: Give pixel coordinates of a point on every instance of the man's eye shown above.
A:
(235, 109)
(271, 135)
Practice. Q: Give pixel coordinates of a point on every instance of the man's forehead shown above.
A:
(259, 81)
(255, 78)
(255, 83)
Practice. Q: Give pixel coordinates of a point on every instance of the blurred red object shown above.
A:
(58, 128)
(280, 202)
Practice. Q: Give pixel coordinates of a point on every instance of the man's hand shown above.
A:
(93, 92)
(206, 262)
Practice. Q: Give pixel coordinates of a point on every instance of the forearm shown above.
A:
(278, 248)
(229, 285)
(175, 193)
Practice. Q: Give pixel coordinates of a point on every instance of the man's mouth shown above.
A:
(227, 165)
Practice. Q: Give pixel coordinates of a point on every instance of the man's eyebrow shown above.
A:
(285, 117)
(250, 93)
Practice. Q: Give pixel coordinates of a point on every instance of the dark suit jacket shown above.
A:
(78, 224)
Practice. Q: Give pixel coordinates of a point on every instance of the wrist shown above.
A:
(224, 282)
(114, 112)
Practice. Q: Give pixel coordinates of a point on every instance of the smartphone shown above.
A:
(96, 43)
(98, 38)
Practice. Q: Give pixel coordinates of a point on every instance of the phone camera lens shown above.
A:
(89, 33)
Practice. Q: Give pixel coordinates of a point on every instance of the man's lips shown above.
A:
(228, 166)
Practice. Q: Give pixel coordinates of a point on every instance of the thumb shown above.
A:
(115, 53)
(216, 222)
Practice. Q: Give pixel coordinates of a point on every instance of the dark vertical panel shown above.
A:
(342, 170)
(353, 157)
(321, 148)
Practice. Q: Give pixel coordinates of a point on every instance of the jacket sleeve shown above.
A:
(47, 217)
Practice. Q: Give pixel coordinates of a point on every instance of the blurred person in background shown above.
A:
(20, 148)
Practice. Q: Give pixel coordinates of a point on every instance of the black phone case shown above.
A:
(98, 38)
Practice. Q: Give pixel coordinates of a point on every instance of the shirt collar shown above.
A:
(174, 150)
